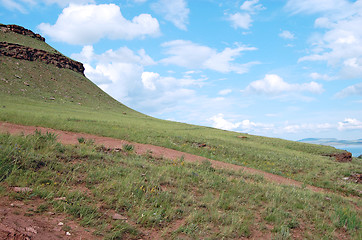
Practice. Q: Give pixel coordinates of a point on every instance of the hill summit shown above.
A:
(33, 70)
(31, 54)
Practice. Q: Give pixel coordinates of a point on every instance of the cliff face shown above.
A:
(21, 30)
(31, 54)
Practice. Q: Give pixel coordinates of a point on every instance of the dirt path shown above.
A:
(20, 221)
(156, 151)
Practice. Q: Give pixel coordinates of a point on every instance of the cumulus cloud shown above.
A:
(121, 73)
(87, 24)
(151, 79)
(273, 84)
(175, 11)
(191, 55)
(339, 41)
(351, 90)
(118, 72)
(349, 124)
(243, 19)
(286, 35)
(148, 79)
(240, 20)
(219, 121)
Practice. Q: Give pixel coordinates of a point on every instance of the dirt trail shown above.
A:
(19, 221)
(66, 137)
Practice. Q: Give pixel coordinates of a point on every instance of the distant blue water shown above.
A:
(356, 150)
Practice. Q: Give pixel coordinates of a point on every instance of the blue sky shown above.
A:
(289, 69)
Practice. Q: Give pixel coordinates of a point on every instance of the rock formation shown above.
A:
(21, 30)
(341, 157)
(26, 53)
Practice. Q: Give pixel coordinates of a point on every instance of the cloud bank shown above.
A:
(194, 56)
(273, 84)
(87, 24)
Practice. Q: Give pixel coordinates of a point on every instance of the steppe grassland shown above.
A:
(173, 198)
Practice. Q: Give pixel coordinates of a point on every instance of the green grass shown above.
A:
(66, 100)
(12, 37)
(154, 194)
(300, 161)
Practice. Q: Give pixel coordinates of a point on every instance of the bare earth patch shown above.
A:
(19, 221)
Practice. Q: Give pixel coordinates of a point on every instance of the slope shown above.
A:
(40, 94)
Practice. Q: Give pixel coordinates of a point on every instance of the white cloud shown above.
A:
(118, 72)
(64, 3)
(13, 5)
(311, 6)
(218, 121)
(194, 56)
(340, 43)
(221, 123)
(351, 90)
(286, 35)
(175, 11)
(349, 124)
(273, 84)
(22, 5)
(87, 24)
(225, 92)
(310, 127)
(325, 77)
(148, 79)
(243, 19)
(252, 6)
(240, 20)
(121, 73)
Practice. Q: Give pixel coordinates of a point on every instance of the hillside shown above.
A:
(41, 78)
(188, 201)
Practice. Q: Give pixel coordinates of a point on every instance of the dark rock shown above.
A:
(357, 178)
(31, 54)
(341, 157)
(21, 30)
(241, 137)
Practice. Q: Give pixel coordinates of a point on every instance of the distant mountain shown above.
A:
(331, 141)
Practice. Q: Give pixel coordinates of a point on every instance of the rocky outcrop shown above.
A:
(21, 30)
(31, 54)
(341, 157)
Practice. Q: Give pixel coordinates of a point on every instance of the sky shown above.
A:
(290, 69)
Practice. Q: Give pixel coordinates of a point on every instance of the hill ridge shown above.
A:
(31, 54)
(20, 30)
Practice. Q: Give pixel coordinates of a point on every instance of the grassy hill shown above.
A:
(35, 93)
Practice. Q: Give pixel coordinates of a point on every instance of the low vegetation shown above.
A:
(299, 161)
(160, 197)
(165, 198)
